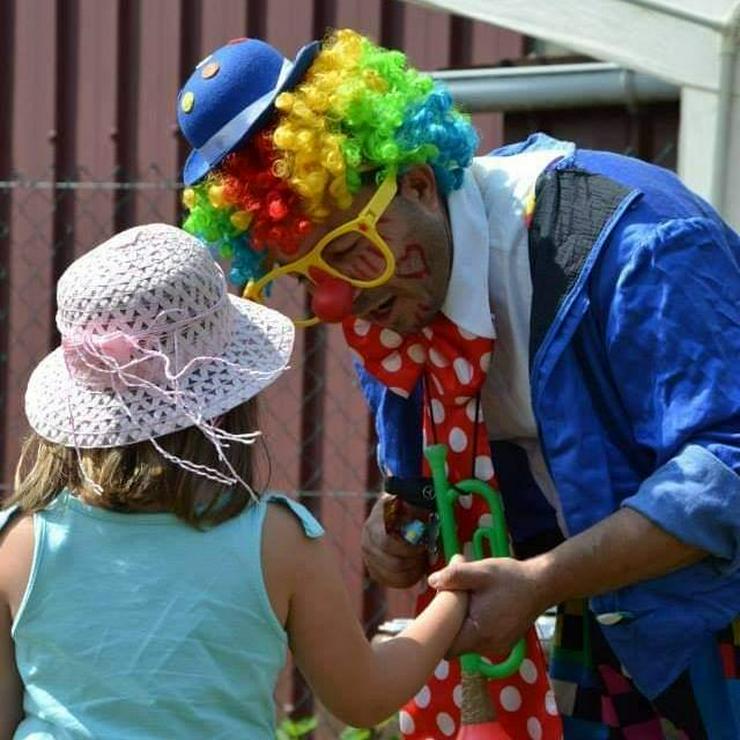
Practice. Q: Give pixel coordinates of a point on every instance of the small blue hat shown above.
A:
(230, 95)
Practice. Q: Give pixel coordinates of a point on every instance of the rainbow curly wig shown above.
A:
(360, 112)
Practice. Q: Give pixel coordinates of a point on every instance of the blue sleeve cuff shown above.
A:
(695, 497)
(397, 424)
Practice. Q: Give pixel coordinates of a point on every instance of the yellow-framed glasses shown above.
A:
(365, 223)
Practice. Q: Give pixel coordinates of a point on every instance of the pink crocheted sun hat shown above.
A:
(151, 343)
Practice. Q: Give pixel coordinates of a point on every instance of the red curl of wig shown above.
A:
(278, 219)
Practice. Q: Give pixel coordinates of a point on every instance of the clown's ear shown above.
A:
(419, 184)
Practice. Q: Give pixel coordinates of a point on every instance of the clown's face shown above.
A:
(416, 229)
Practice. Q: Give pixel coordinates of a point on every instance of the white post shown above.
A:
(696, 146)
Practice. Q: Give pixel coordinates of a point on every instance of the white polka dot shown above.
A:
(461, 400)
(427, 332)
(485, 361)
(458, 439)
(463, 369)
(437, 359)
(392, 363)
(446, 724)
(483, 467)
(423, 698)
(466, 501)
(438, 411)
(390, 338)
(457, 695)
(400, 392)
(442, 670)
(438, 386)
(510, 698)
(528, 671)
(485, 520)
(406, 722)
(534, 728)
(416, 353)
(470, 410)
(357, 357)
(551, 706)
(465, 334)
(361, 327)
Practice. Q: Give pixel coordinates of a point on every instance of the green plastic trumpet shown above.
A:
(495, 534)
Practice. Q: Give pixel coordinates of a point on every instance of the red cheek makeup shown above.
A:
(412, 264)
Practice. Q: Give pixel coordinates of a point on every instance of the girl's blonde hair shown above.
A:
(136, 478)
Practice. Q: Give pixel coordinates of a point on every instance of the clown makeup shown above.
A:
(415, 228)
(419, 238)
(412, 264)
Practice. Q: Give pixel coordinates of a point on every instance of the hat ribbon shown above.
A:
(228, 136)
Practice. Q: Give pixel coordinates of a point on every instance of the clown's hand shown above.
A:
(505, 599)
(390, 560)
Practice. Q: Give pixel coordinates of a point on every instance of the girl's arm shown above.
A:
(359, 683)
(11, 688)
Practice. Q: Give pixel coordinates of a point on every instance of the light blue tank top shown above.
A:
(139, 626)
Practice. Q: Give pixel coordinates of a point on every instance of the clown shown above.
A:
(610, 293)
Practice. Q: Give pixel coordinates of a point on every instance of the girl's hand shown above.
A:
(505, 599)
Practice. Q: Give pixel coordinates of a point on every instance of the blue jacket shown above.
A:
(635, 388)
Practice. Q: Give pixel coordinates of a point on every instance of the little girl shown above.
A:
(145, 590)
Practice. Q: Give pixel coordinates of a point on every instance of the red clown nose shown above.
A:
(332, 297)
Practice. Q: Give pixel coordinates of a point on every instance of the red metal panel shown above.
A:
(426, 37)
(281, 410)
(7, 42)
(94, 121)
(361, 15)
(158, 81)
(289, 24)
(489, 46)
(221, 22)
(30, 305)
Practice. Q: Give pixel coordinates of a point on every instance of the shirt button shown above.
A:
(610, 618)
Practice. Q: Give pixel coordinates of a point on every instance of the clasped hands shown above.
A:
(506, 595)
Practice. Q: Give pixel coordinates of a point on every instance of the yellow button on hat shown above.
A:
(187, 102)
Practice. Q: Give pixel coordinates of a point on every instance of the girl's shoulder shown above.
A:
(16, 532)
(16, 555)
(287, 512)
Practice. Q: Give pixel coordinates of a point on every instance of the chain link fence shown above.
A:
(314, 418)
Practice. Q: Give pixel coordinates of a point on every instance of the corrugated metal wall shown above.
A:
(89, 146)
(90, 143)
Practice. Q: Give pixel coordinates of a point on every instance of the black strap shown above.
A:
(415, 491)
(8, 516)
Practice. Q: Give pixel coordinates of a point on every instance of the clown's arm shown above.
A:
(672, 337)
(389, 560)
